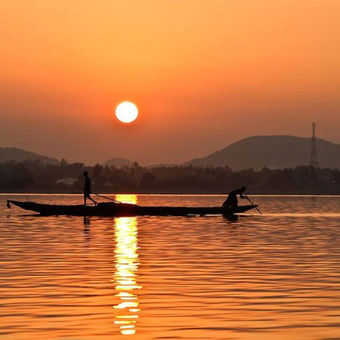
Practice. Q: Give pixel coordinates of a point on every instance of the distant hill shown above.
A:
(118, 162)
(19, 155)
(275, 152)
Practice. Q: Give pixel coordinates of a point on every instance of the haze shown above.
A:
(202, 73)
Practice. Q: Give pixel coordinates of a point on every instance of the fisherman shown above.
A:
(87, 188)
(231, 201)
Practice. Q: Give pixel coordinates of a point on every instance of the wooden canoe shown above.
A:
(124, 209)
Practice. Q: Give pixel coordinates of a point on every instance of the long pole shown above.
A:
(108, 198)
(253, 204)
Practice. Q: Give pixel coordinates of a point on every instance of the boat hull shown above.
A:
(123, 209)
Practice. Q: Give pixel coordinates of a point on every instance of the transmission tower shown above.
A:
(313, 152)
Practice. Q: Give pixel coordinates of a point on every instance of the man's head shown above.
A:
(243, 189)
(85, 174)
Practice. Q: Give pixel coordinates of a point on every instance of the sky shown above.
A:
(203, 73)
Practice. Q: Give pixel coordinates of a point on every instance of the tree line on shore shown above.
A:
(36, 177)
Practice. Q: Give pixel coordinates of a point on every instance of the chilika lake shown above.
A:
(272, 276)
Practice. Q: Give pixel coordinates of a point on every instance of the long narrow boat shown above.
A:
(124, 209)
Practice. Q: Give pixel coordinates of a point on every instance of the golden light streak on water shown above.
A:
(124, 198)
(125, 277)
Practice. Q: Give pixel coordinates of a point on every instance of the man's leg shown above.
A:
(95, 203)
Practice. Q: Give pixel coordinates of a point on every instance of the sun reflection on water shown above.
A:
(125, 277)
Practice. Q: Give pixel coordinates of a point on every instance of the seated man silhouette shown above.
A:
(231, 202)
(87, 188)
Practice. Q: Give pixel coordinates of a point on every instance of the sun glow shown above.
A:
(126, 112)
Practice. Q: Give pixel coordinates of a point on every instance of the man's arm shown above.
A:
(242, 195)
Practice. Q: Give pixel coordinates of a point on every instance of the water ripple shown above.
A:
(275, 276)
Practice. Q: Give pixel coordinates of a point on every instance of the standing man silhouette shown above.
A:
(87, 188)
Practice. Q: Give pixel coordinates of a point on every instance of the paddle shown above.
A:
(253, 204)
(108, 198)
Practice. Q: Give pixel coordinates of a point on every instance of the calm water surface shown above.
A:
(275, 276)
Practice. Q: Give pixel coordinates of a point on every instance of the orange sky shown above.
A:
(203, 74)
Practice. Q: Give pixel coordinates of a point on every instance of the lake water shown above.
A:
(275, 276)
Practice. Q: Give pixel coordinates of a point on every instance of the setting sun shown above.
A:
(126, 112)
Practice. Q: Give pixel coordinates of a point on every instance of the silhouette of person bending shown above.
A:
(87, 188)
(231, 202)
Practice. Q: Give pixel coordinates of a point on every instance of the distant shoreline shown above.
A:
(2, 193)
(35, 177)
